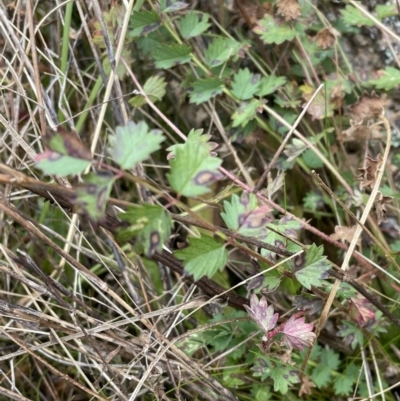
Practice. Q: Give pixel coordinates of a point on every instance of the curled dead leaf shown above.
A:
(306, 386)
(345, 233)
(290, 9)
(326, 37)
(368, 106)
(360, 133)
(380, 207)
(369, 173)
(255, 12)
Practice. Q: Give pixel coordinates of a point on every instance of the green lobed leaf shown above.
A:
(260, 393)
(352, 334)
(311, 159)
(322, 374)
(345, 382)
(313, 200)
(148, 43)
(283, 377)
(190, 344)
(205, 89)
(314, 267)
(353, 16)
(271, 31)
(288, 226)
(168, 56)
(246, 112)
(389, 80)
(154, 89)
(168, 6)
(295, 149)
(244, 216)
(245, 84)
(274, 239)
(92, 195)
(385, 11)
(144, 22)
(193, 169)
(195, 135)
(66, 154)
(54, 163)
(191, 25)
(220, 50)
(270, 84)
(150, 224)
(203, 257)
(134, 143)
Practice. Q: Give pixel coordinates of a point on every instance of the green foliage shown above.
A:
(271, 31)
(195, 136)
(390, 79)
(344, 382)
(144, 22)
(192, 24)
(91, 196)
(149, 42)
(246, 112)
(313, 269)
(245, 84)
(328, 362)
(353, 16)
(204, 89)
(60, 165)
(385, 11)
(261, 393)
(220, 50)
(203, 58)
(134, 143)
(168, 56)
(227, 336)
(352, 333)
(311, 159)
(270, 84)
(193, 169)
(282, 375)
(277, 234)
(66, 155)
(150, 224)
(204, 257)
(312, 200)
(154, 88)
(239, 214)
(168, 6)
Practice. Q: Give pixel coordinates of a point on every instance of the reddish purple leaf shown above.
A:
(361, 311)
(261, 313)
(297, 333)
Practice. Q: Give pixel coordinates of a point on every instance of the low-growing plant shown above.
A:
(243, 159)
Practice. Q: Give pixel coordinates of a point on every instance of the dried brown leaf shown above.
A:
(344, 233)
(360, 133)
(290, 9)
(254, 12)
(369, 173)
(368, 106)
(380, 207)
(319, 108)
(326, 37)
(306, 386)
